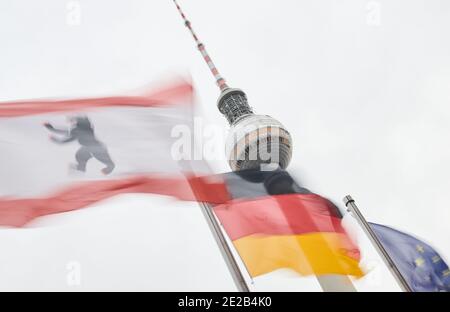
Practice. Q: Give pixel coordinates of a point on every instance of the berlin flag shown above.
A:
(62, 155)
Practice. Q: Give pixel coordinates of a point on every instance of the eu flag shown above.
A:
(421, 266)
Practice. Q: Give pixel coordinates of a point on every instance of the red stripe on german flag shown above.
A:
(278, 215)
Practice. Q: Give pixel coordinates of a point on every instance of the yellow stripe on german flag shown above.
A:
(307, 254)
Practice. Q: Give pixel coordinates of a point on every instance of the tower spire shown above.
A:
(201, 47)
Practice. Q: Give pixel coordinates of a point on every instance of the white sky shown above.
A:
(365, 102)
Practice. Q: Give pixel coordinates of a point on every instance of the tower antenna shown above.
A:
(201, 47)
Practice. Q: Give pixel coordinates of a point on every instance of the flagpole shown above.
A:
(227, 254)
(354, 210)
(221, 241)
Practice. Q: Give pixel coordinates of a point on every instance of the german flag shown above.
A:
(274, 224)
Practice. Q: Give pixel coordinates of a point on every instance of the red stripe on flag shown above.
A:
(278, 215)
(18, 212)
(158, 98)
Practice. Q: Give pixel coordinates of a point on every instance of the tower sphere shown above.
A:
(254, 141)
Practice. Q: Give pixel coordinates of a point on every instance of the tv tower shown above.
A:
(253, 140)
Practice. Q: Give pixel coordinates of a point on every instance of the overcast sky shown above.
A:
(363, 87)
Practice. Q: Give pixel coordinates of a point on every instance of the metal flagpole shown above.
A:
(353, 209)
(227, 254)
(221, 241)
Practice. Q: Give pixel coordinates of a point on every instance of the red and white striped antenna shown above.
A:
(219, 79)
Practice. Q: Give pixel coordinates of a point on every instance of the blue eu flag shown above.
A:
(419, 263)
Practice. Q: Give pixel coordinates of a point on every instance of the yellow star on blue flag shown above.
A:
(421, 266)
